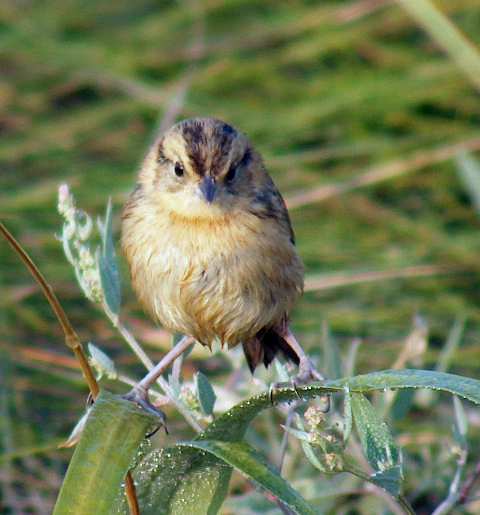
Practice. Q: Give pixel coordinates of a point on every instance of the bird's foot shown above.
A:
(140, 397)
(307, 373)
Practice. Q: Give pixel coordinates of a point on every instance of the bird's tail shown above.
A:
(266, 344)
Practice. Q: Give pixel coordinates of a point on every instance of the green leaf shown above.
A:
(171, 474)
(205, 394)
(347, 414)
(107, 445)
(252, 465)
(322, 453)
(179, 480)
(313, 455)
(107, 264)
(377, 442)
(451, 383)
(390, 480)
(173, 477)
(296, 433)
(101, 362)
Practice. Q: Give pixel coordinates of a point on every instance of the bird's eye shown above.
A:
(232, 172)
(179, 171)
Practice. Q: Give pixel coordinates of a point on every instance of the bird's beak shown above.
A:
(208, 188)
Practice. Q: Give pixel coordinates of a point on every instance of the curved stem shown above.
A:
(131, 495)
(71, 338)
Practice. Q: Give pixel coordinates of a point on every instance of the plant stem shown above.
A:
(71, 338)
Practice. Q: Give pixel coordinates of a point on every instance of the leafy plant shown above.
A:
(189, 476)
(360, 110)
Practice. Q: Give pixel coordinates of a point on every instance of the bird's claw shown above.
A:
(307, 373)
(140, 398)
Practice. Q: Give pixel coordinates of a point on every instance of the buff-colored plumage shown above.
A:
(209, 242)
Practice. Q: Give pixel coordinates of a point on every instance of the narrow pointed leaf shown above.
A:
(102, 362)
(205, 394)
(251, 464)
(377, 442)
(107, 264)
(107, 445)
(458, 385)
(390, 480)
(203, 476)
(347, 415)
(299, 435)
(469, 171)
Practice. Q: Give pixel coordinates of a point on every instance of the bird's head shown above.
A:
(202, 168)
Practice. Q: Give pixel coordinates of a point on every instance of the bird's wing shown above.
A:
(269, 204)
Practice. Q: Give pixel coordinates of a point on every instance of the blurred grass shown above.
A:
(327, 91)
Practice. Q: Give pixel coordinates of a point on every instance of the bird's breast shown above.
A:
(225, 280)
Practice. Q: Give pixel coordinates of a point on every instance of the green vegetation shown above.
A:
(370, 129)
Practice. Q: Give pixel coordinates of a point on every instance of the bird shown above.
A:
(210, 246)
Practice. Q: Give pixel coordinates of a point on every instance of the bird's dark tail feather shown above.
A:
(265, 346)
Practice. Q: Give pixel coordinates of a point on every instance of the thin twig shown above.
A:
(128, 337)
(464, 490)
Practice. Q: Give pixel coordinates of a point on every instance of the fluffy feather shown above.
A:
(225, 270)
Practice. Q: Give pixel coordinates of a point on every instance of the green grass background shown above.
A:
(327, 91)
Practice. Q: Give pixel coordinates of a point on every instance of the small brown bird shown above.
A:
(210, 246)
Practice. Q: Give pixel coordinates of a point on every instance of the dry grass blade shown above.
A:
(383, 172)
(325, 282)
